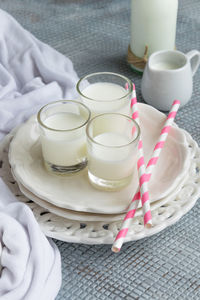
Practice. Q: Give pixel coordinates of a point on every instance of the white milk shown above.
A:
(153, 24)
(64, 121)
(165, 66)
(64, 148)
(108, 163)
(106, 98)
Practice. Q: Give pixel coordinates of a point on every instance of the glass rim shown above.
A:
(57, 102)
(129, 91)
(115, 114)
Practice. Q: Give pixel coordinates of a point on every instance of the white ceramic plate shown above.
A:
(84, 216)
(70, 214)
(73, 231)
(75, 192)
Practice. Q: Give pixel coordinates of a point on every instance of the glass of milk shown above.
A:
(106, 92)
(62, 134)
(112, 150)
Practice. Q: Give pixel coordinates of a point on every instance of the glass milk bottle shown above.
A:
(153, 28)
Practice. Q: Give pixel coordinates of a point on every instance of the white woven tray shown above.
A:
(178, 203)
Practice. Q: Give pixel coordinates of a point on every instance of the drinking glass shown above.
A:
(112, 140)
(106, 92)
(62, 134)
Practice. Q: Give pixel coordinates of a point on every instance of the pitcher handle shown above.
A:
(194, 57)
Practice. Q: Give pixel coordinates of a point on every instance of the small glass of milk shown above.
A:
(62, 134)
(112, 140)
(106, 92)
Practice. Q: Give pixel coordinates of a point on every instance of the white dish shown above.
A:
(178, 203)
(84, 216)
(70, 214)
(75, 192)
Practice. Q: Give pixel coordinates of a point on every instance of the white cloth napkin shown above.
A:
(30, 264)
(32, 74)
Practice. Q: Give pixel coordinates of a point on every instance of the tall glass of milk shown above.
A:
(153, 28)
(62, 134)
(106, 92)
(112, 150)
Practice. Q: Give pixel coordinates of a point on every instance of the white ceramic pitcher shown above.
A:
(168, 75)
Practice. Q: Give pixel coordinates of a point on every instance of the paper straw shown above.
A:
(143, 180)
(150, 166)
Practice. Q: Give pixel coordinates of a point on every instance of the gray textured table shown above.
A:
(95, 36)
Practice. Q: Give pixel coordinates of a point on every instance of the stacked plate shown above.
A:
(70, 209)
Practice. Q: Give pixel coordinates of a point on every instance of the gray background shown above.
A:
(95, 36)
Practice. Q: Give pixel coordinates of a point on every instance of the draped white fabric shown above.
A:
(30, 263)
(31, 75)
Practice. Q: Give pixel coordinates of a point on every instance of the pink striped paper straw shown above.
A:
(143, 179)
(150, 166)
